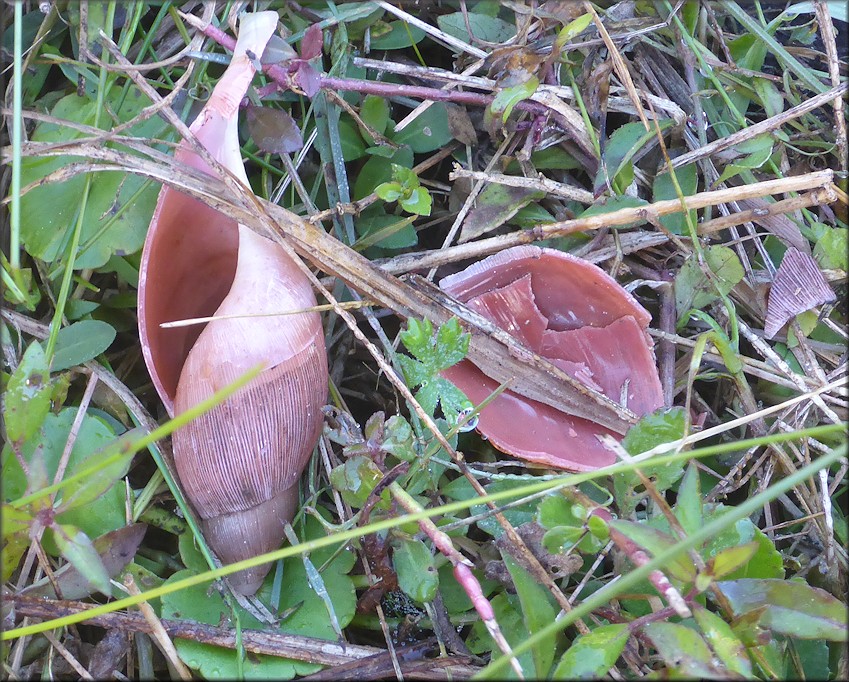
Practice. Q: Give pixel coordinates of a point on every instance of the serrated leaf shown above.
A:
(416, 570)
(27, 399)
(592, 655)
(78, 549)
(791, 608)
(80, 342)
(692, 287)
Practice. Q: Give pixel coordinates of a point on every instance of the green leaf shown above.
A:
(396, 35)
(375, 112)
(591, 656)
(813, 655)
(414, 565)
(683, 650)
(489, 29)
(356, 478)
(572, 29)
(754, 160)
(832, 249)
(729, 560)
(104, 514)
(496, 205)
(556, 510)
(352, 143)
(623, 144)
(692, 287)
(661, 426)
(428, 132)
(723, 641)
(310, 618)
(27, 399)
(663, 188)
(119, 206)
(15, 525)
(792, 608)
(655, 541)
(538, 612)
(509, 97)
(767, 561)
(80, 342)
(688, 507)
(389, 191)
(435, 353)
(86, 490)
(418, 202)
(76, 547)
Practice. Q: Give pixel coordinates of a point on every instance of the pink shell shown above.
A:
(577, 316)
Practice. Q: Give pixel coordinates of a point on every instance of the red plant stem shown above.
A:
(279, 75)
(639, 557)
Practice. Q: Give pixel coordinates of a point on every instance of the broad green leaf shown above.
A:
(119, 205)
(396, 35)
(661, 426)
(723, 641)
(386, 231)
(496, 205)
(418, 202)
(80, 342)
(378, 169)
(767, 561)
(832, 248)
(27, 399)
(517, 516)
(512, 624)
(104, 514)
(428, 132)
(753, 160)
(664, 188)
(375, 112)
(655, 542)
(729, 560)
(15, 525)
(683, 650)
(489, 29)
(814, 656)
(693, 289)
(623, 145)
(414, 565)
(556, 510)
(352, 144)
(355, 479)
(84, 491)
(78, 549)
(538, 612)
(591, 656)
(389, 191)
(792, 608)
(200, 603)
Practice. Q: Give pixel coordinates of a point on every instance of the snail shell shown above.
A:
(578, 317)
(240, 462)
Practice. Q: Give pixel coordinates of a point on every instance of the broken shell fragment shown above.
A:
(239, 463)
(572, 313)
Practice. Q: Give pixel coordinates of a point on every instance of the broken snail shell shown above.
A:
(578, 317)
(239, 463)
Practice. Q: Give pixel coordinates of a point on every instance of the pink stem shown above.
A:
(280, 77)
